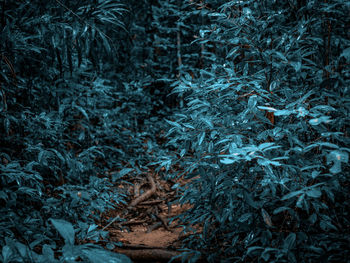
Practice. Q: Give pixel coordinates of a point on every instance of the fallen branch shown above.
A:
(154, 227)
(146, 194)
(164, 221)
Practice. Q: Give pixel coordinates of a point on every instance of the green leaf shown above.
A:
(289, 242)
(65, 229)
(283, 112)
(292, 194)
(269, 109)
(252, 101)
(125, 171)
(97, 255)
(227, 161)
(346, 54)
(314, 192)
(300, 201)
(7, 254)
(296, 65)
(201, 138)
(83, 111)
(266, 217)
(251, 250)
(245, 217)
(281, 209)
(322, 119)
(337, 157)
(248, 198)
(173, 123)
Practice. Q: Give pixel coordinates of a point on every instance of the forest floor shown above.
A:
(147, 229)
(147, 232)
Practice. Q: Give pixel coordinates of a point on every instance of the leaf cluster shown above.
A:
(264, 133)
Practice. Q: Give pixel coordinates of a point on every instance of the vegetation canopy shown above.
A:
(238, 111)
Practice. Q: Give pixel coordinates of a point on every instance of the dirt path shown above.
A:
(144, 226)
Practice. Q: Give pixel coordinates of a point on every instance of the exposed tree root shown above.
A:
(149, 255)
(146, 194)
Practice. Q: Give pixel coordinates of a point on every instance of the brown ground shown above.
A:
(146, 234)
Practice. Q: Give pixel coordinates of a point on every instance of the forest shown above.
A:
(174, 131)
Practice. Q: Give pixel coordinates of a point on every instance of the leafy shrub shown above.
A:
(264, 133)
(65, 128)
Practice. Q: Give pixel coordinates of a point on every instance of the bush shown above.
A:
(264, 134)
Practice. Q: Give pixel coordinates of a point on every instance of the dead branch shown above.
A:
(154, 227)
(164, 221)
(146, 194)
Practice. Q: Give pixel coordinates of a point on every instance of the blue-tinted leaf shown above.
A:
(266, 162)
(314, 192)
(65, 229)
(201, 138)
(97, 255)
(266, 217)
(313, 218)
(346, 54)
(292, 194)
(281, 209)
(270, 109)
(328, 144)
(289, 242)
(265, 145)
(283, 112)
(326, 225)
(182, 153)
(317, 250)
(300, 201)
(208, 122)
(125, 171)
(245, 217)
(296, 65)
(336, 168)
(338, 156)
(322, 119)
(248, 198)
(250, 250)
(48, 254)
(302, 112)
(83, 111)
(281, 56)
(252, 101)
(173, 123)
(92, 228)
(227, 161)
(70, 253)
(7, 254)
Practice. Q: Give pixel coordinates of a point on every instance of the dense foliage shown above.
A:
(65, 127)
(265, 133)
(255, 98)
